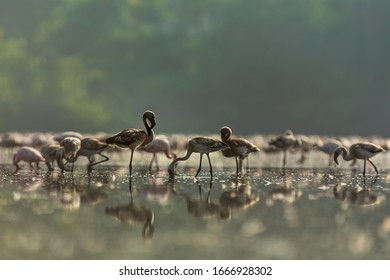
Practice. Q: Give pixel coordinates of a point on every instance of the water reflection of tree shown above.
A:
(134, 213)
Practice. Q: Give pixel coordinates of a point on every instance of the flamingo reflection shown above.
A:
(132, 214)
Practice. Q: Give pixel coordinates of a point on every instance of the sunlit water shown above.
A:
(268, 213)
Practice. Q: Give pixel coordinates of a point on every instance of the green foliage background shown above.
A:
(260, 66)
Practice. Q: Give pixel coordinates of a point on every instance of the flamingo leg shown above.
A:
(376, 170)
(211, 167)
(156, 160)
(284, 158)
(200, 165)
(106, 158)
(364, 169)
(237, 166)
(151, 162)
(131, 161)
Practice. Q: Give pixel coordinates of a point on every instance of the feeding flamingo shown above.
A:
(29, 155)
(363, 150)
(201, 145)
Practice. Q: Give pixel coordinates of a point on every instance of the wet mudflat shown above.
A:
(267, 213)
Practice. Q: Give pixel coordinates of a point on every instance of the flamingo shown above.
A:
(52, 152)
(284, 142)
(61, 136)
(133, 138)
(328, 147)
(71, 145)
(29, 155)
(88, 148)
(239, 148)
(159, 144)
(363, 150)
(201, 145)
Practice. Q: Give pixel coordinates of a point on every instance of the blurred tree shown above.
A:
(258, 66)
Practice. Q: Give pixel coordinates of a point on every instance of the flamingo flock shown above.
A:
(65, 148)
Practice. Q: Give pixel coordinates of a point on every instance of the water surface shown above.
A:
(267, 213)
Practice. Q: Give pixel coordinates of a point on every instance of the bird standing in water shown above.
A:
(239, 148)
(364, 151)
(134, 138)
(160, 144)
(201, 145)
(284, 142)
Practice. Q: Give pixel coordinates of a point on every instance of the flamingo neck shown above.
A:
(149, 131)
(346, 155)
(171, 167)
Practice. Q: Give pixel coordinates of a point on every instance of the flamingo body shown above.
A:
(159, 144)
(201, 145)
(27, 154)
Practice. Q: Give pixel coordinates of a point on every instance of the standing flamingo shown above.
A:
(160, 144)
(201, 145)
(284, 142)
(239, 148)
(27, 154)
(133, 138)
(364, 151)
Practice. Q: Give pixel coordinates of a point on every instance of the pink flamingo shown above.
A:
(29, 155)
(160, 144)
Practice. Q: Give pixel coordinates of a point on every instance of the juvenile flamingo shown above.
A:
(239, 148)
(29, 155)
(284, 142)
(88, 148)
(133, 138)
(364, 151)
(160, 144)
(52, 152)
(71, 145)
(201, 145)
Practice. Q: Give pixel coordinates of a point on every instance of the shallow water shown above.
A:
(268, 213)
